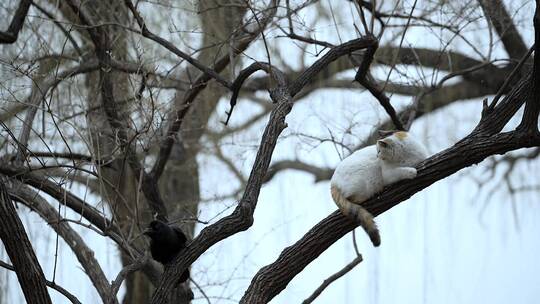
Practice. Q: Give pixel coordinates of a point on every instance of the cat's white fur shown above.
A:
(365, 173)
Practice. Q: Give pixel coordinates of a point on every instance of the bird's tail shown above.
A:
(358, 214)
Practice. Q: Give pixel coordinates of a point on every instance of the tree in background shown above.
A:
(124, 99)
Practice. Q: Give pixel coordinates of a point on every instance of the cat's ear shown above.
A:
(401, 135)
(386, 133)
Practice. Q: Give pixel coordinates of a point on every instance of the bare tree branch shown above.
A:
(320, 174)
(120, 277)
(200, 83)
(214, 74)
(12, 33)
(20, 252)
(84, 254)
(244, 74)
(50, 284)
(271, 279)
(532, 106)
(64, 196)
(332, 278)
(497, 14)
(483, 142)
(242, 216)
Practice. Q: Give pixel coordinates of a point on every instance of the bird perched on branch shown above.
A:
(165, 243)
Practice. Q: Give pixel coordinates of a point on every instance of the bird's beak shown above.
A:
(148, 231)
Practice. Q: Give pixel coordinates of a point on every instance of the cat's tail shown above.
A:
(358, 214)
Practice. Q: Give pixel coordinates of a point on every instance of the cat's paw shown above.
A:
(408, 173)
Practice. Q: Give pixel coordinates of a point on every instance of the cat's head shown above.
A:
(401, 147)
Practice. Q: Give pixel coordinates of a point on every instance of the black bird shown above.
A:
(165, 243)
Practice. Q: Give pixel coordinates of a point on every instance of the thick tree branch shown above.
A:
(449, 61)
(12, 33)
(529, 121)
(483, 142)
(242, 216)
(84, 254)
(146, 33)
(176, 118)
(50, 284)
(64, 196)
(20, 251)
(91, 214)
(272, 279)
(497, 14)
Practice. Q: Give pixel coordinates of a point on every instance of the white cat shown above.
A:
(365, 172)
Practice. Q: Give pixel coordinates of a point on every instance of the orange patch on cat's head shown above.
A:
(401, 135)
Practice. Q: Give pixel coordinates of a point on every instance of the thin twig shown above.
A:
(516, 69)
(332, 278)
(400, 44)
(50, 284)
(127, 270)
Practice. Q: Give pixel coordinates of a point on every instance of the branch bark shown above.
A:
(84, 254)
(176, 118)
(532, 107)
(272, 279)
(67, 198)
(497, 14)
(12, 33)
(20, 252)
(483, 142)
(50, 284)
(242, 217)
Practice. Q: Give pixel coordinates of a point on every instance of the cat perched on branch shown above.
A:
(367, 171)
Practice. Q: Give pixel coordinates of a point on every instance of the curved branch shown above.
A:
(90, 213)
(12, 33)
(276, 75)
(319, 173)
(484, 141)
(146, 33)
(135, 266)
(308, 75)
(242, 217)
(200, 83)
(84, 254)
(50, 284)
(448, 61)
